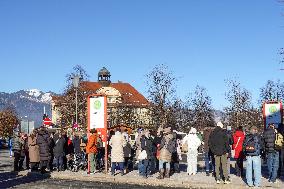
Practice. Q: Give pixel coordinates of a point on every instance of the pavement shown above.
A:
(67, 179)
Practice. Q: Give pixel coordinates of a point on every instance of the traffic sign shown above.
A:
(47, 121)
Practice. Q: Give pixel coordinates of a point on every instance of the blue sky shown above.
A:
(202, 41)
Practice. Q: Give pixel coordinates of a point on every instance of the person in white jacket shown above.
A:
(193, 142)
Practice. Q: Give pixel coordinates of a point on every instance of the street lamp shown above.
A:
(75, 81)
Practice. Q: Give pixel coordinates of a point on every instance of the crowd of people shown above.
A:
(159, 151)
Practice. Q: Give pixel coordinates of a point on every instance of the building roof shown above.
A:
(130, 96)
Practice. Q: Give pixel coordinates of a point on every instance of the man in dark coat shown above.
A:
(147, 145)
(58, 150)
(219, 145)
(272, 154)
(42, 141)
(209, 157)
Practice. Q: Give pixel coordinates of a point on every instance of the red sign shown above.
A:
(47, 121)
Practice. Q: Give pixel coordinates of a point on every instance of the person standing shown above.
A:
(209, 157)
(167, 147)
(193, 144)
(33, 151)
(271, 153)
(17, 145)
(219, 145)
(58, 150)
(126, 152)
(117, 143)
(238, 139)
(92, 151)
(252, 148)
(147, 146)
(42, 141)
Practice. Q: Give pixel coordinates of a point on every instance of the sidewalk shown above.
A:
(181, 180)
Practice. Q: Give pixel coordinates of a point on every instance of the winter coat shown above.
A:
(206, 135)
(219, 142)
(76, 143)
(193, 142)
(42, 141)
(127, 150)
(92, 144)
(166, 148)
(238, 139)
(117, 143)
(269, 137)
(17, 143)
(33, 150)
(259, 145)
(59, 143)
(147, 145)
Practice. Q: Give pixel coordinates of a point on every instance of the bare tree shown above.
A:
(66, 103)
(272, 91)
(202, 110)
(161, 83)
(240, 111)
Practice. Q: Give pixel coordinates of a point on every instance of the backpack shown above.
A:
(278, 145)
(252, 146)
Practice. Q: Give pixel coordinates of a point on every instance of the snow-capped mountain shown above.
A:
(36, 95)
(30, 103)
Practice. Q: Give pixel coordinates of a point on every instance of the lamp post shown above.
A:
(75, 81)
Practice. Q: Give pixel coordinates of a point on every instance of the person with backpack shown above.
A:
(193, 142)
(167, 147)
(237, 148)
(252, 148)
(272, 153)
(219, 145)
(92, 151)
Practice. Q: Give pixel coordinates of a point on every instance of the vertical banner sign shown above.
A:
(97, 112)
(272, 113)
(97, 119)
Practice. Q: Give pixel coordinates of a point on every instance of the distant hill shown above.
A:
(28, 103)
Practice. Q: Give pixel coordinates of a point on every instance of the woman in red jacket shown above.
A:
(239, 137)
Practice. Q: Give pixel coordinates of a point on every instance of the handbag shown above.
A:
(142, 155)
(184, 147)
(233, 152)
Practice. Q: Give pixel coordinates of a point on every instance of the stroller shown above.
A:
(77, 162)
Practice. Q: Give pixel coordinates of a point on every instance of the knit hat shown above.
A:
(192, 131)
(220, 124)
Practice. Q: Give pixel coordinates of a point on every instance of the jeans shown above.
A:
(145, 168)
(59, 162)
(192, 162)
(253, 166)
(92, 162)
(120, 164)
(221, 162)
(161, 164)
(273, 165)
(140, 167)
(209, 162)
